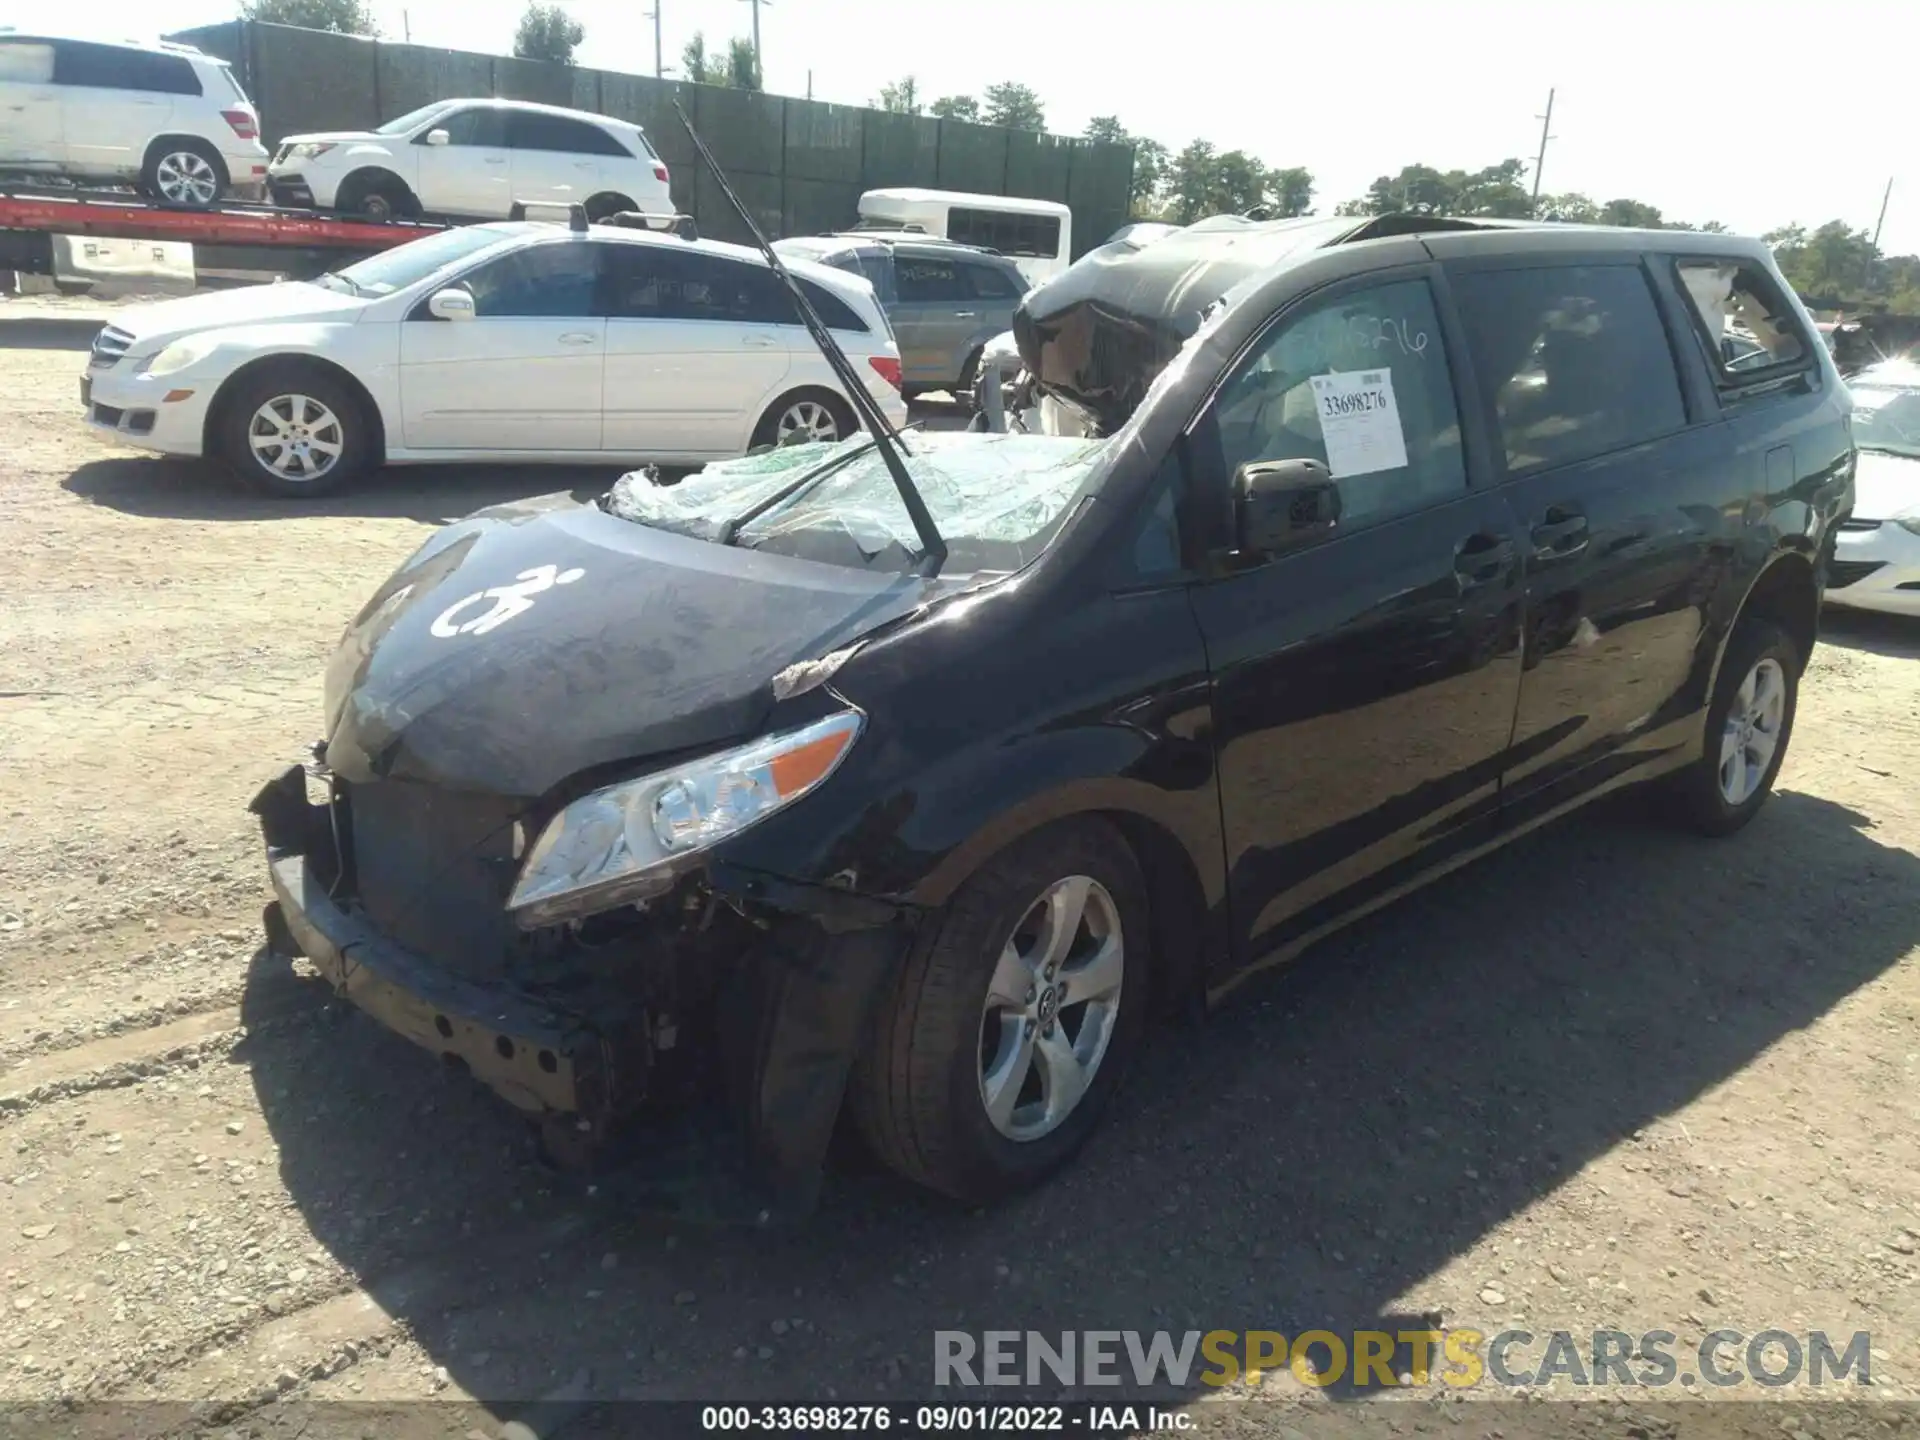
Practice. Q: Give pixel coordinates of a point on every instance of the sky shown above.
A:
(1704, 108)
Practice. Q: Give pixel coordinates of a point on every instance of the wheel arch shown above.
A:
(1787, 592)
(356, 179)
(1184, 893)
(293, 360)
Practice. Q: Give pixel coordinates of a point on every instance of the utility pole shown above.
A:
(406, 26)
(1540, 161)
(1885, 196)
(809, 85)
(659, 67)
(758, 63)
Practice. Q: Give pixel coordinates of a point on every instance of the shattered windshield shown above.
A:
(996, 499)
(1887, 416)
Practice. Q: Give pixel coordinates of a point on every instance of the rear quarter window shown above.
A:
(26, 62)
(118, 67)
(1746, 325)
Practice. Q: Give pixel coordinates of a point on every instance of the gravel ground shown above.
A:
(1613, 1078)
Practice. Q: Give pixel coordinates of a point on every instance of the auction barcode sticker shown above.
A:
(1360, 422)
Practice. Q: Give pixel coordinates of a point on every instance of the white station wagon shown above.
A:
(475, 159)
(519, 341)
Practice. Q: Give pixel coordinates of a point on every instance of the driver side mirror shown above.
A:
(451, 304)
(439, 137)
(1280, 504)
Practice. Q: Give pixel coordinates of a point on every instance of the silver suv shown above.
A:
(944, 300)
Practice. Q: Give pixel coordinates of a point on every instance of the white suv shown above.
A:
(520, 341)
(475, 158)
(164, 116)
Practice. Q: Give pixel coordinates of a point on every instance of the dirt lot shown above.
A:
(1613, 1078)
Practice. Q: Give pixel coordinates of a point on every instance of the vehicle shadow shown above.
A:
(1335, 1135)
(1896, 636)
(48, 332)
(160, 488)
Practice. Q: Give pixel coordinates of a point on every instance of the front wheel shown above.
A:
(1748, 726)
(296, 432)
(1011, 1023)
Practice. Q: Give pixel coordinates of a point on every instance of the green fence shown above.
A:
(799, 165)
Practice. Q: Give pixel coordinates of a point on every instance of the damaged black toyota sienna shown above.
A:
(905, 779)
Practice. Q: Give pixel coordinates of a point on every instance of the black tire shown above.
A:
(171, 166)
(604, 207)
(351, 428)
(769, 430)
(916, 1093)
(1695, 793)
(376, 195)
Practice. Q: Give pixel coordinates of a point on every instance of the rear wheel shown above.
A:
(184, 172)
(1011, 1023)
(296, 432)
(804, 417)
(1748, 726)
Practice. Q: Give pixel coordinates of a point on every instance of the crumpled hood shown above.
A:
(531, 641)
(285, 303)
(1885, 485)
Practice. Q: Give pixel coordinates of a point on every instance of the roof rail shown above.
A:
(576, 214)
(682, 225)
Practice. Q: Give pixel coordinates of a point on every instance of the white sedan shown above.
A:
(523, 341)
(1876, 558)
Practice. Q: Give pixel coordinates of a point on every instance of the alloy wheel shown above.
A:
(186, 178)
(296, 437)
(1752, 731)
(1051, 1007)
(806, 420)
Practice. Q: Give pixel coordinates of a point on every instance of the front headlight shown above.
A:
(626, 842)
(178, 356)
(310, 150)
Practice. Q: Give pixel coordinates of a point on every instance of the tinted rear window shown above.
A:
(117, 67)
(1574, 358)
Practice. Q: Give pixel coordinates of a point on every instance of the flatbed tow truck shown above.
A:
(245, 238)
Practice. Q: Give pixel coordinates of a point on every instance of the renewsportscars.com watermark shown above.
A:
(1457, 1358)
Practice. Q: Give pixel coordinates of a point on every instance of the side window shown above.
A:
(534, 130)
(117, 67)
(1575, 358)
(990, 282)
(1360, 383)
(1747, 324)
(26, 62)
(483, 126)
(551, 281)
(927, 281)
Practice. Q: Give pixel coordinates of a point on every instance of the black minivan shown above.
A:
(740, 788)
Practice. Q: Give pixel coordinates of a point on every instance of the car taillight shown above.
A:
(660, 171)
(887, 367)
(244, 125)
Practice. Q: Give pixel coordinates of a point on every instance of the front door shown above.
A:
(524, 373)
(694, 352)
(472, 174)
(1633, 516)
(1364, 683)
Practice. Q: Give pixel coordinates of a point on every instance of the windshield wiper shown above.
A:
(885, 438)
(732, 528)
(353, 287)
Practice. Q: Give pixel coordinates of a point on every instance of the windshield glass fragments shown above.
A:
(1886, 418)
(996, 498)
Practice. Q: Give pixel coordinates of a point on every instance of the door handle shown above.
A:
(1482, 559)
(759, 342)
(1562, 531)
(966, 314)
(578, 337)
(494, 159)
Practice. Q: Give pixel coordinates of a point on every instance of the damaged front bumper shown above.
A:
(793, 1004)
